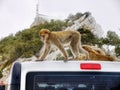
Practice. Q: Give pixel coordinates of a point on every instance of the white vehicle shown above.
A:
(70, 75)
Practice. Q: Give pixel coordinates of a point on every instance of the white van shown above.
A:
(70, 75)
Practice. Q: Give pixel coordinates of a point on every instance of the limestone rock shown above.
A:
(87, 21)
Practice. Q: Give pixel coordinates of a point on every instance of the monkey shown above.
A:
(95, 49)
(97, 54)
(59, 38)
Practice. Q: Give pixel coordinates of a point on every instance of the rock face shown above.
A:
(87, 21)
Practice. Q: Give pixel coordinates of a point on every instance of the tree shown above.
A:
(113, 38)
(71, 17)
(117, 50)
(87, 37)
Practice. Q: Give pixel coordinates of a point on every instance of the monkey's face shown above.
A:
(44, 35)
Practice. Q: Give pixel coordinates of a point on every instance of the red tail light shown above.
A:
(90, 66)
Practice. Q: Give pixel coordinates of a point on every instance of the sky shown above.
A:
(17, 15)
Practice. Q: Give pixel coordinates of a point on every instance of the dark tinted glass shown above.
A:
(72, 81)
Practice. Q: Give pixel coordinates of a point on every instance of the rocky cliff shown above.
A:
(87, 21)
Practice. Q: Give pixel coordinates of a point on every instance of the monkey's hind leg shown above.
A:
(74, 49)
(61, 48)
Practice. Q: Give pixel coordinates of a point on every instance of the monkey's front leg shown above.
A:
(45, 52)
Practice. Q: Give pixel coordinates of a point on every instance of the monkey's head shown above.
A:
(86, 48)
(44, 34)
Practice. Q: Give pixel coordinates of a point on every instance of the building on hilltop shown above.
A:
(39, 18)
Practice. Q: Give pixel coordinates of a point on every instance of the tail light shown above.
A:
(90, 66)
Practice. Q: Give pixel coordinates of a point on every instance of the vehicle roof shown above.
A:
(68, 66)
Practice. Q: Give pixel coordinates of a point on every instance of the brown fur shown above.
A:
(96, 49)
(97, 54)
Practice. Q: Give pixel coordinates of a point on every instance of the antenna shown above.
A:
(37, 11)
(37, 8)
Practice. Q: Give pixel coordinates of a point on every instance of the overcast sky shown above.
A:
(16, 15)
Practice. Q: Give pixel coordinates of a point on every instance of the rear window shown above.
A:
(72, 81)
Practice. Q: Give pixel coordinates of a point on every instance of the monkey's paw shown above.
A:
(81, 57)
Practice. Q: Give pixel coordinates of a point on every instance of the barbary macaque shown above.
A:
(59, 38)
(98, 54)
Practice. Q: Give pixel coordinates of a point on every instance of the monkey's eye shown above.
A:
(43, 36)
(46, 32)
